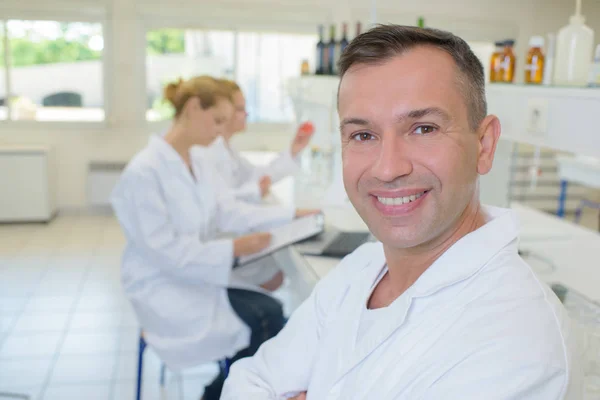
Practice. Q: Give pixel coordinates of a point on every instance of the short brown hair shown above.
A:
(206, 88)
(384, 42)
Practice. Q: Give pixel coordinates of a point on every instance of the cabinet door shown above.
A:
(24, 187)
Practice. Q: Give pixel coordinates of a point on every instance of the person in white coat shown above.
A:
(249, 182)
(444, 307)
(175, 271)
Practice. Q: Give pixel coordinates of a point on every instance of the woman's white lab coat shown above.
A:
(173, 270)
(242, 177)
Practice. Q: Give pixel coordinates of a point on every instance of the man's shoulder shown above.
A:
(510, 302)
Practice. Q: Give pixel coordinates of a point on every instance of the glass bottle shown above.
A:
(534, 69)
(509, 61)
(496, 63)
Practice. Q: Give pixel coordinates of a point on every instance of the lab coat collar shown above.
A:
(165, 150)
(461, 261)
(173, 160)
(170, 155)
(469, 254)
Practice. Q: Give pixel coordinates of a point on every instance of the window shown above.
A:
(55, 71)
(3, 96)
(265, 62)
(178, 53)
(260, 62)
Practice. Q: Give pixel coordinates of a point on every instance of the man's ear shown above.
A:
(489, 134)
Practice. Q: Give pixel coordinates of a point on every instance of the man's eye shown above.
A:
(425, 129)
(363, 137)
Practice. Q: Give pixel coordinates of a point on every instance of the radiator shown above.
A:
(102, 178)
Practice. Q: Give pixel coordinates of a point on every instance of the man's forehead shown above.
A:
(419, 73)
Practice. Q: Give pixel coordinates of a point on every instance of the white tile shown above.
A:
(78, 392)
(17, 289)
(108, 302)
(129, 322)
(130, 340)
(83, 369)
(30, 345)
(206, 372)
(38, 322)
(22, 390)
(6, 323)
(95, 321)
(151, 390)
(193, 388)
(53, 288)
(10, 305)
(90, 343)
(24, 371)
(50, 303)
(127, 365)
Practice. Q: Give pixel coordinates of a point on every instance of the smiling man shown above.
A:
(443, 307)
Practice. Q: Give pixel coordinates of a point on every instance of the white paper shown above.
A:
(285, 235)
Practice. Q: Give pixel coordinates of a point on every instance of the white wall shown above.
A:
(126, 20)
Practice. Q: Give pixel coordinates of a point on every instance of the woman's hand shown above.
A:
(303, 135)
(265, 185)
(250, 244)
(274, 283)
(305, 212)
(301, 396)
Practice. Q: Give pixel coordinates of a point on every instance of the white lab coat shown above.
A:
(173, 270)
(242, 177)
(478, 324)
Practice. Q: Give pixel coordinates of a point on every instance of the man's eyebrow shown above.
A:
(423, 112)
(353, 121)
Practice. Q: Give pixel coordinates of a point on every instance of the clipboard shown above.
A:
(288, 234)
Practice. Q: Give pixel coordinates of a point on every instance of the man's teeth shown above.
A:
(398, 201)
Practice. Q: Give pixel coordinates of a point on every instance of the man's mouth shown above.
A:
(398, 201)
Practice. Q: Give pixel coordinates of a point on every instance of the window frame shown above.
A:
(86, 17)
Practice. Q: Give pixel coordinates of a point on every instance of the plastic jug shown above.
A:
(575, 43)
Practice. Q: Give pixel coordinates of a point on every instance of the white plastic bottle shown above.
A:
(574, 47)
(594, 80)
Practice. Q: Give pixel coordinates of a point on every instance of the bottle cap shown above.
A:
(499, 43)
(509, 42)
(536, 41)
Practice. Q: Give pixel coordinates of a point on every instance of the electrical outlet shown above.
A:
(537, 116)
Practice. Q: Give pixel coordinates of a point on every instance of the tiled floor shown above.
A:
(66, 330)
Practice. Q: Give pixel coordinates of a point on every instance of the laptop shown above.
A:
(333, 243)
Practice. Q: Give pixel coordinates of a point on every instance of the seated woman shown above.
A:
(249, 182)
(175, 271)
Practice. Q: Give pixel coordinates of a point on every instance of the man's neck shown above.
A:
(405, 266)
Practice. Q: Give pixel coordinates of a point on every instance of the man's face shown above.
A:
(410, 158)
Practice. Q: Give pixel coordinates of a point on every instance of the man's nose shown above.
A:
(393, 161)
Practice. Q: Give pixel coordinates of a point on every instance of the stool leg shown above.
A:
(562, 198)
(163, 369)
(142, 347)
